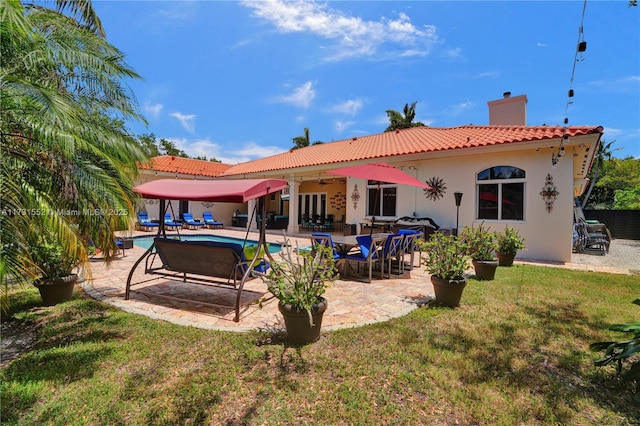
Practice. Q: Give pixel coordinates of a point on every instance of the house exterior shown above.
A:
(504, 171)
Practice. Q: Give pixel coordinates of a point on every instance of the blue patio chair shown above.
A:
(410, 246)
(368, 254)
(325, 239)
(168, 221)
(144, 223)
(392, 250)
(210, 222)
(190, 222)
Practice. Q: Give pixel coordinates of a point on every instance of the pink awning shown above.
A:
(223, 191)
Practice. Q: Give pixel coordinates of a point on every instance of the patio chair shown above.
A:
(392, 250)
(369, 253)
(190, 222)
(210, 222)
(169, 222)
(410, 246)
(589, 242)
(144, 223)
(325, 239)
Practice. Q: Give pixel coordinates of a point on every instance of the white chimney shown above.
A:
(508, 110)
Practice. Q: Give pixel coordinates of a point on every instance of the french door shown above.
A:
(312, 205)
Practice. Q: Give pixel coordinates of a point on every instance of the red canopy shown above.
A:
(223, 191)
(381, 172)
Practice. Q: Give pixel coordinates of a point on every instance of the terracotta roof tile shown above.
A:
(189, 166)
(415, 140)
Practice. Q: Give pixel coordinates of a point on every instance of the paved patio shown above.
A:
(351, 303)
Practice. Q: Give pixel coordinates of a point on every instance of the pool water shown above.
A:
(145, 242)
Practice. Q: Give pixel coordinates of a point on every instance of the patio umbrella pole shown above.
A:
(375, 203)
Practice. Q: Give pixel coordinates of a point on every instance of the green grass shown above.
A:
(515, 352)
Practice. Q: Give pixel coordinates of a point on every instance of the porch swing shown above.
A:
(221, 264)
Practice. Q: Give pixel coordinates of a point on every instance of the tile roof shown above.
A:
(414, 140)
(189, 166)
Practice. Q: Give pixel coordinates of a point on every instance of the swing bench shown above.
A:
(225, 264)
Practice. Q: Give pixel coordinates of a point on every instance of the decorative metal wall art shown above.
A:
(549, 192)
(437, 190)
(151, 201)
(355, 196)
(207, 204)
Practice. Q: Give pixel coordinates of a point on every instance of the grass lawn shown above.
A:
(515, 352)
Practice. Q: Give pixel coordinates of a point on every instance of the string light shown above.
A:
(581, 47)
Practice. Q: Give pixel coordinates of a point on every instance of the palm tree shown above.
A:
(604, 153)
(301, 141)
(67, 164)
(397, 121)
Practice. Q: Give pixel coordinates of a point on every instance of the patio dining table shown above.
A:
(345, 243)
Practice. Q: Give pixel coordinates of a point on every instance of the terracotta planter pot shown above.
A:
(505, 259)
(448, 292)
(58, 290)
(296, 321)
(485, 269)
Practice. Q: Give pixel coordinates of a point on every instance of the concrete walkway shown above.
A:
(351, 303)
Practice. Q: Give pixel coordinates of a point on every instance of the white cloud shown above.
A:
(300, 96)
(153, 110)
(486, 74)
(341, 126)
(460, 108)
(541, 44)
(620, 85)
(353, 36)
(246, 151)
(186, 121)
(350, 107)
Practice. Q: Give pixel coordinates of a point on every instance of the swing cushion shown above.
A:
(210, 258)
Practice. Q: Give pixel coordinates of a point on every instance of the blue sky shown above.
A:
(238, 80)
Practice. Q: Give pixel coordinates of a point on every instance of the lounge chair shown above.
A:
(210, 222)
(169, 222)
(144, 223)
(190, 222)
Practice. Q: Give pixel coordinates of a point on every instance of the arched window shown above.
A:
(500, 193)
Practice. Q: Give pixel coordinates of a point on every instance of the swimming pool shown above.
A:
(145, 242)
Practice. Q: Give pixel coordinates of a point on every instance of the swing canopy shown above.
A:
(222, 191)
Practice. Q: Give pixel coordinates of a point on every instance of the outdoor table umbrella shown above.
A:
(380, 172)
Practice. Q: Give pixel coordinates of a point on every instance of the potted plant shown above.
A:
(480, 244)
(55, 266)
(509, 242)
(447, 262)
(299, 281)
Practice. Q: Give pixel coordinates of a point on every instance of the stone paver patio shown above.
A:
(351, 303)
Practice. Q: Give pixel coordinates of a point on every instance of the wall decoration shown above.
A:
(549, 192)
(338, 201)
(355, 196)
(151, 201)
(437, 190)
(207, 204)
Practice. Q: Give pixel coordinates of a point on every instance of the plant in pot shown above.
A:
(509, 242)
(299, 282)
(55, 265)
(446, 261)
(480, 244)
